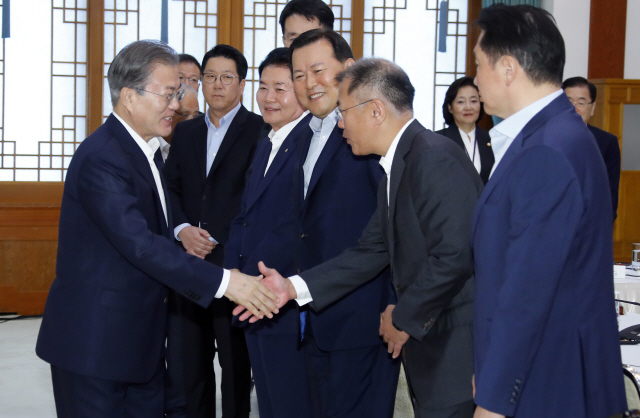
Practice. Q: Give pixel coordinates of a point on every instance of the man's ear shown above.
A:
(378, 111)
(593, 109)
(242, 83)
(127, 97)
(510, 67)
(348, 63)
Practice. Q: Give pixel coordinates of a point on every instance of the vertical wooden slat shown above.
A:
(95, 64)
(357, 28)
(231, 23)
(607, 34)
(473, 32)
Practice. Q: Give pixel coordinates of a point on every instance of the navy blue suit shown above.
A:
(610, 150)
(545, 334)
(340, 200)
(105, 315)
(264, 232)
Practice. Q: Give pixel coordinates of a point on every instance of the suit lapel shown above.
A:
(200, 147)
(256, 176)
(140, 163)
(558, 105)
(230, 137)
(454, 133)
(330, 148)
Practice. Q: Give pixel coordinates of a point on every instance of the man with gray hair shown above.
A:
(420, 229)
(104, 323)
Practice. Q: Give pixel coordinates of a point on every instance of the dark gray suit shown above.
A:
(426, 241)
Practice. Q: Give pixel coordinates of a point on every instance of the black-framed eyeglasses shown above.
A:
(187, 116)
(195, 81)
(177, 95)
(226, 79)
(341, 111)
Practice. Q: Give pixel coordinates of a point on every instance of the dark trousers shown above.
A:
(360, 382)
(463, 410)
(279, 374)
(175, 404)
(79, 396)
(205, 332)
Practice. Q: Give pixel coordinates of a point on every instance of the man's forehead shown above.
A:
(321, 52)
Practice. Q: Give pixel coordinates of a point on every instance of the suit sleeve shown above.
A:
(107, 194)
(172, 175)
(546, 203)
(444, 195)
(333, 279)
(612, 161)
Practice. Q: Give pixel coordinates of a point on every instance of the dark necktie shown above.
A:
(157, 158)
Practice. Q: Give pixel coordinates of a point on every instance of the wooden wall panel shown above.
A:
(29, 214)
(612, 95)
(607, 34)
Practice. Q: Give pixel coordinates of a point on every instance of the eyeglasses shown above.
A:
(187, 116)
(581, 104)
(177, 95)
(341, 111)
(226, 79)
(190, 80)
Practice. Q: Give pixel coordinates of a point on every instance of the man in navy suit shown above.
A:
(583, 96)
(350, 372)
(205, 174)
(545, 333)
(103, 329)
(263, 232)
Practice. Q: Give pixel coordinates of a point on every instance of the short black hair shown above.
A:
(229, 52)
(527, 33)
(341, 49)
(190, 59)
(581, 82)
(310, 9)
(279, 57)
(451, 94)
(382, 78)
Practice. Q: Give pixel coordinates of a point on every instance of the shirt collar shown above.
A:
(149, 148)
(387, 160)
(331, 120)
(511, 126)
(471, 134)
(223, 120)
(283, 132)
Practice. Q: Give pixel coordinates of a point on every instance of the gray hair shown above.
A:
(134, 63)
(382, 78)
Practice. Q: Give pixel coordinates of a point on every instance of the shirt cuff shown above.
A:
(179, 228)
(304, 296)
(224, 283)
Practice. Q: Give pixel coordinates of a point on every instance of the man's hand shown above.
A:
(196, 241)
(483, 413)
(395, 339)
(250, 293)
(279, 285)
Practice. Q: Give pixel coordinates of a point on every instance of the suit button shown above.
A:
(204, 197)
(303, 236)
(518, 381)
(166, 300)
(298, 271)
(512, 400)
(245, 224)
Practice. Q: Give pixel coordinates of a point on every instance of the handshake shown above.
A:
(259, 296)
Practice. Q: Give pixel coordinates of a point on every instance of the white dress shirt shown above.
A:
(278, 137)
(149, 149)
(471, 147)
(302, 290)
(164, 148)
(503, 134)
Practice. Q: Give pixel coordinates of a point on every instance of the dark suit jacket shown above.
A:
(484, 147)
(610, 150)
(106, 311)
(340, 201)
(545, 336)
(426, 241)
(263, 231)
(211, 200)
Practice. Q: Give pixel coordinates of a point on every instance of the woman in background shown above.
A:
(462, 109)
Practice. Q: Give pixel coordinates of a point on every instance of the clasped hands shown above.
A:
(275, 283)
(394, 338)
